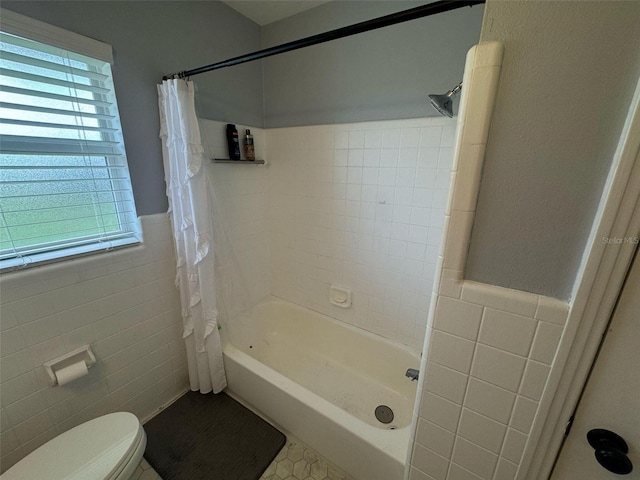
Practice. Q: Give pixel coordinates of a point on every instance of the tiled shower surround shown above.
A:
(363, 206)
(360, 206)
(357, 205)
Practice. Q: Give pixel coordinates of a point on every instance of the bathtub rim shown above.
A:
(356, 329)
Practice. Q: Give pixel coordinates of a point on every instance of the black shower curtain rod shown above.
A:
(385, 21)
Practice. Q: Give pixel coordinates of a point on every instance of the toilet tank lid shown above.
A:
(94, 450)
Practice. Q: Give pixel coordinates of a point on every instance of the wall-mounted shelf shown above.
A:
(244, 162)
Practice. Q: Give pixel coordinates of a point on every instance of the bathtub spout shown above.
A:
(412, 373)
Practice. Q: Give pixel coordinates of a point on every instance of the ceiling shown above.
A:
(264, 12)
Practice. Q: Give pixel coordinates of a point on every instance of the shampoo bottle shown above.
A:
(249, 151)
(233, 142)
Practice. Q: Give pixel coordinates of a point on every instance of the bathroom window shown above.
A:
(64, 181)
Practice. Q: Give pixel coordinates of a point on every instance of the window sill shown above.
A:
(20, 264)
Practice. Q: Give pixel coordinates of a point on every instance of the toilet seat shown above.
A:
(105, 448)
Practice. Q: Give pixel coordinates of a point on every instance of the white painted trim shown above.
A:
(26, 27)
(597, 287)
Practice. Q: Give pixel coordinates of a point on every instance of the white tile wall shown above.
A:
(124, 304)
(357, 205)
(360, 206)
(242, 200)
(490, 348)
(485, 389)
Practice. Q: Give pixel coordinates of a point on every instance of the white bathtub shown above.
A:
(321, 380)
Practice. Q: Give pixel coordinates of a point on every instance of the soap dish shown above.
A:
(340, 297)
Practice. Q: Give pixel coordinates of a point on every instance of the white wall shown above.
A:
(124, 304)
(361, 206)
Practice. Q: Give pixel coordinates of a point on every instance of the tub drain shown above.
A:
(384, 414)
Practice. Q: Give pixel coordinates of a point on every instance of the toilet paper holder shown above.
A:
(78, 355)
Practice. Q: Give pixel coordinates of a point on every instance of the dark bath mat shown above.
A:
(210, 437)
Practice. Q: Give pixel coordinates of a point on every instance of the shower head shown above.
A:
(443, 103)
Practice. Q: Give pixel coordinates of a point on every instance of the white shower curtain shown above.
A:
(192, 231)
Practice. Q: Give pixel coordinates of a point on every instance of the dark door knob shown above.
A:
(610, 450)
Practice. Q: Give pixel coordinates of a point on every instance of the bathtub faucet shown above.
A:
(412, 373)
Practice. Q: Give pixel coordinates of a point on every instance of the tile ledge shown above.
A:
(501, 298)
(532, 305)
(552, 310)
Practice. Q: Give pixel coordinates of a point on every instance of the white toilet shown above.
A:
(105, 448)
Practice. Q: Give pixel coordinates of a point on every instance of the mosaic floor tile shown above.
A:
(297, 462)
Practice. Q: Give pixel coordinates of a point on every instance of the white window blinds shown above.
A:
(64, 181)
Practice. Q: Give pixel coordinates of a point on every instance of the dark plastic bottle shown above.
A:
(233, 142)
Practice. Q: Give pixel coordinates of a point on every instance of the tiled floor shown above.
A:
(297, 462)
(294, 462)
